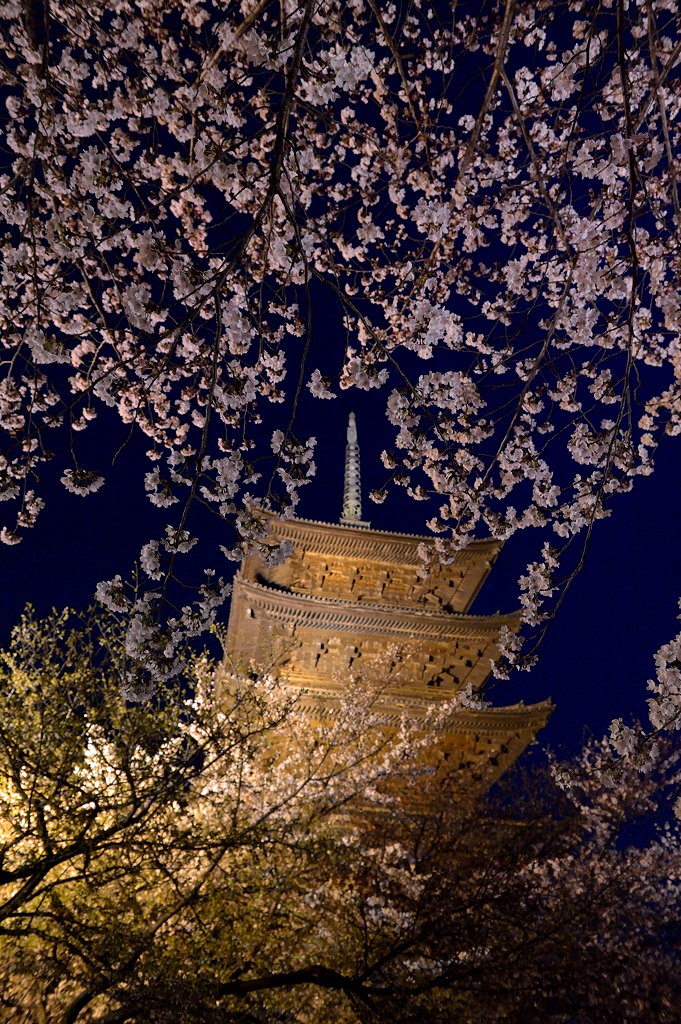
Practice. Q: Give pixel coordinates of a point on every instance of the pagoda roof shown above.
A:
(489, 721)
(328, 613)
(374, 545)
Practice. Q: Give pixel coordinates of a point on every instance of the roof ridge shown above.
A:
(363, 531)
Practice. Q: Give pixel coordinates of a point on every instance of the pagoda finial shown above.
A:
(352, 491)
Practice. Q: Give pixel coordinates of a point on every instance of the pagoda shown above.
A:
(348, 595)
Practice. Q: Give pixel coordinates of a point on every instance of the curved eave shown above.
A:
(514, 718)
(377, 545)
(344, 616)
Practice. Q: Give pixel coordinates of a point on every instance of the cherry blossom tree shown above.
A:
(183, 178)
(231, 860)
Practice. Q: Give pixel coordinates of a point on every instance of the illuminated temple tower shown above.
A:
(348, 593)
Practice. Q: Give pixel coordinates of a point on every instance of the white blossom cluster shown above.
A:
(665, 706)
(178, 174)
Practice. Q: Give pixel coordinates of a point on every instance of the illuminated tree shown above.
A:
(232, 860)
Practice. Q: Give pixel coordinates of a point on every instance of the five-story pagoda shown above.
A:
(348, 595)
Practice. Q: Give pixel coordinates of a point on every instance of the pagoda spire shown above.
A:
(352, 491)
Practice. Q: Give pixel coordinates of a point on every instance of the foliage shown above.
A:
(196, 859)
